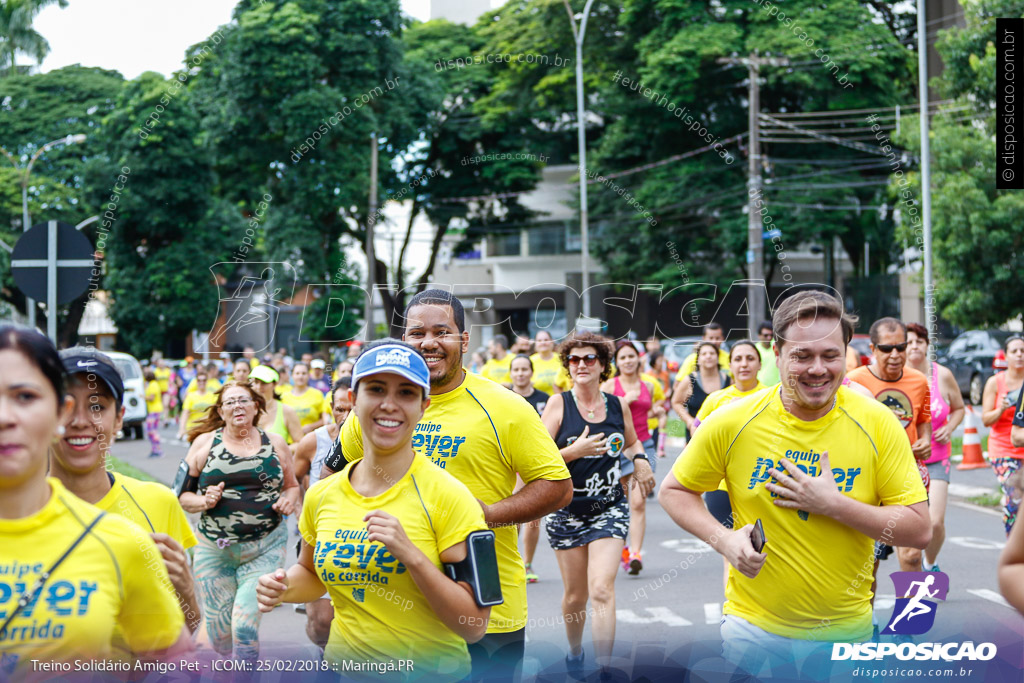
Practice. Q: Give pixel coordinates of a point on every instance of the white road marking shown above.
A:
(712, 612)
(884, 601)
(976, 508)
(687, 545)
(975, 542)
(989, 595)
(964, 491)
(657, 614)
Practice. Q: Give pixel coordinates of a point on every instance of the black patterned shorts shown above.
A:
(567, 530)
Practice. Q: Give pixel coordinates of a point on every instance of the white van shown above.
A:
(134, 394)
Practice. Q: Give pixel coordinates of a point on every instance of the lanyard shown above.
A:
(27, 596)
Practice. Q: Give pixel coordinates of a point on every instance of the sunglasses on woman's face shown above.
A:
(889, 348)
(588, 359)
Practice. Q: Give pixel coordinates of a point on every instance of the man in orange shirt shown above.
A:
(905, 391)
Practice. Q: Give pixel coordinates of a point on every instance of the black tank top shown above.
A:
(595, 479)
(698, 396)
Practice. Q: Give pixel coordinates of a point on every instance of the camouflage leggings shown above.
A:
(1005, 468)
(227, 583)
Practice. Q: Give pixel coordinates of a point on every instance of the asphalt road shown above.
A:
(674, 605)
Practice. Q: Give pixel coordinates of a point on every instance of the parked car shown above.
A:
(676, 350)
(134, 394)
(973, 357)
(861, 343)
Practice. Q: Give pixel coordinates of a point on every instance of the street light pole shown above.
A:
(30, 304)
(581, 138)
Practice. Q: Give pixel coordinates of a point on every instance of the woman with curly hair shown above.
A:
(591, 429)
(240, 479)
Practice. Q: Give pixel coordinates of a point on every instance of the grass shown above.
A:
(957, 442)
(990, 500)
(121, 467)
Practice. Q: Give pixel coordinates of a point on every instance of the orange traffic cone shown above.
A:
(973, 458)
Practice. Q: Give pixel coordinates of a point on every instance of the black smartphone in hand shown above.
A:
(757, 536)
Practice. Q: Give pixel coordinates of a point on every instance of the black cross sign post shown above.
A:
(53, 262)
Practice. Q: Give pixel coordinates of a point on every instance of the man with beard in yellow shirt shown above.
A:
(826, 471)
(483, 435)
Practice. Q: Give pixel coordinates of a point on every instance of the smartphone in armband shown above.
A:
(479, 569)
(757, 537)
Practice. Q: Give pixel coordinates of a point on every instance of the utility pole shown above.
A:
(926, 177)
(578, 35)
(371, 258)
(755, 241)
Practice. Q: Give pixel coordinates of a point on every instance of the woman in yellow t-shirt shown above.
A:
(86, 572)
(385, 577)
(154, 406)
(548, 374)
(307, 402)
(279, 418)
(196, 403)
(744, 363)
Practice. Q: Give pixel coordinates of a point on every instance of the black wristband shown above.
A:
(641, 456)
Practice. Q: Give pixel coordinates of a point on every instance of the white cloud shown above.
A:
(133, 36)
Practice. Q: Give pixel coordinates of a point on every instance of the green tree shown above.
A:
(674, 49)
(34, 110)
(167, 230)
(977, 242)
(289, 101)
(17, 34)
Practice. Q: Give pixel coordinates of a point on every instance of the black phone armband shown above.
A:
(184, 481)
(335, 460)
(479, 569)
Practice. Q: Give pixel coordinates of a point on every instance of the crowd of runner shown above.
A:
(409, 470)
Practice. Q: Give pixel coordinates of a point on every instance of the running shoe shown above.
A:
(531, 576)
(635, 565)
(934, 568)
(156, 455)
(625, 559)
(574, 666)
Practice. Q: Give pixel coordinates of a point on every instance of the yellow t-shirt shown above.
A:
(498, 370)
(484, 434)
(154, 402)
(211, 386)
(114, 578)
(690, 364)
(163, 376)
(197, 404)
(817, 568)
(548, 374)
(722, 397)
(308, 406)
(717, 399)
(380, 614)
(152, 506)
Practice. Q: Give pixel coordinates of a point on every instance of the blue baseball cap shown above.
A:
(396, 359)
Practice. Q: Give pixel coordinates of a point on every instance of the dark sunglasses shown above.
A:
(588, 359)
(888, 348)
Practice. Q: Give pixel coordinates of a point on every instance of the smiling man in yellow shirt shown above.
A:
(826, 471)
(483, 435)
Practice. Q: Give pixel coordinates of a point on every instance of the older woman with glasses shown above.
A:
(240, 479)
(592, 429)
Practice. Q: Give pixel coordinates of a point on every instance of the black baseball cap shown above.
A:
(79, 360)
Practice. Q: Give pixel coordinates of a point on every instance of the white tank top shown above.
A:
(323, 447)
